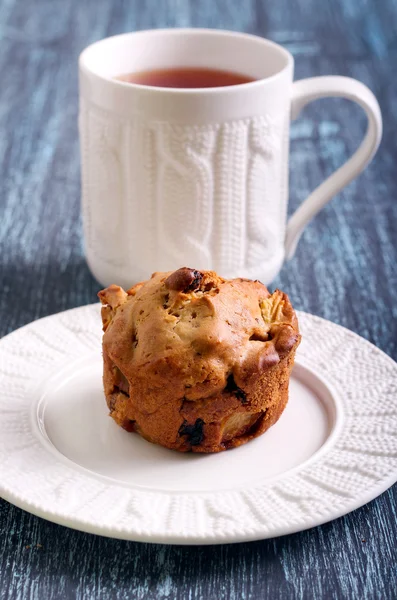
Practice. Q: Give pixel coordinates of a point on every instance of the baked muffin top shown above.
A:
(197, 330)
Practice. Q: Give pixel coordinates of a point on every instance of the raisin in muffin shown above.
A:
(196, 362)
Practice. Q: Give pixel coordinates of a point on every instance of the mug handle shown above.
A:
(305, 91)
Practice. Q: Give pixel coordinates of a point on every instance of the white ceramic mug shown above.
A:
(198, 177)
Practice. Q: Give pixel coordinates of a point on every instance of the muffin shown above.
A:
(195, 362)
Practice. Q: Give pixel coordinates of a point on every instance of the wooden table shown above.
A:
(344, 270)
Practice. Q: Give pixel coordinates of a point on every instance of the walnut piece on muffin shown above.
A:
(195, 362)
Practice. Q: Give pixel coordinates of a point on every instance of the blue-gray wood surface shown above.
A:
(344, 270)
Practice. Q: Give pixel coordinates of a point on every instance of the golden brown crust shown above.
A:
(196, 362)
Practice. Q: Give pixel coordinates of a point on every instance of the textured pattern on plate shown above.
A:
(360, 464)
(186, 169)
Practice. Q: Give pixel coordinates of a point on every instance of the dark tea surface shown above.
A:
(186, 77)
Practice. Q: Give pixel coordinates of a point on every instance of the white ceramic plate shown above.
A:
(64, 459)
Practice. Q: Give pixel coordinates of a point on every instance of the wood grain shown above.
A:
(345, 270)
